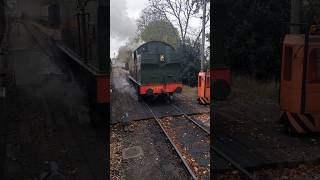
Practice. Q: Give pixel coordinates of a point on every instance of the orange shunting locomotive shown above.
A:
(300, 82)
(204, 87)
(221, 78)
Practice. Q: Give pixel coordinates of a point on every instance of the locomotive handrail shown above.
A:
(76, 58)
(132, 79)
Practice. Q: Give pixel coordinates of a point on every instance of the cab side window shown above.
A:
(208, 82)
(314, 66)
(287, 73)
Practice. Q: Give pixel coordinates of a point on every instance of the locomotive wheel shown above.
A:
(221, 89)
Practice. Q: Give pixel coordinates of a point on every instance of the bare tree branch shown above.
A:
(181, 11)
(207, 19)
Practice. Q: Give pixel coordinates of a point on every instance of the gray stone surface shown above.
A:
(132, 152)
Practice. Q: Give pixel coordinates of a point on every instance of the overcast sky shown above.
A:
(123, 14)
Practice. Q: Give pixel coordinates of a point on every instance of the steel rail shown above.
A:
(172, 143)
(236, 165)
(188, 117)
(219, 152)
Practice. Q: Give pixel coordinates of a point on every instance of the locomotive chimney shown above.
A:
(295, 16)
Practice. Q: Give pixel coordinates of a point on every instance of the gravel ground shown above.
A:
(301, 172)
(158, 160)
(191, 142)
(204, 119)
(115, 152)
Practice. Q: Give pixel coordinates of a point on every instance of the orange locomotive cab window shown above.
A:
(208, 82)
(287, 63)
(314, 66)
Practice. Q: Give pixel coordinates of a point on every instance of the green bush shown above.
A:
(191, 62)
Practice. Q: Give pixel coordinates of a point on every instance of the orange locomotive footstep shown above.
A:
(307, 122)
(294, 123)
(203, 101)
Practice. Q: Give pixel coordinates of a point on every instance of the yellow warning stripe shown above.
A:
(294, 123)
(307, 122)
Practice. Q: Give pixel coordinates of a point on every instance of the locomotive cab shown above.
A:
(300, 83)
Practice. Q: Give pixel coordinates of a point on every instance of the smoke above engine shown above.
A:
(121, 25)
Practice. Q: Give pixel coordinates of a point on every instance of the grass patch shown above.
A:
(189, 90)
(249, 85)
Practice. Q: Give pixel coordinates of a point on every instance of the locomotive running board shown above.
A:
(300, 123)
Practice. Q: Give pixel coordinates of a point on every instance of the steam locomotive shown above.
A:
(154, 70)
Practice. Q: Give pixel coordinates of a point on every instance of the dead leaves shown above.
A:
(115, 155)
(200, 171)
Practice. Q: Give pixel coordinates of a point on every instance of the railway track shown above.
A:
(190, 161)
(175, 133)
(243, 171)
(217, 150)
